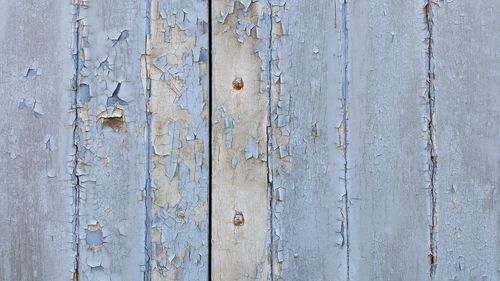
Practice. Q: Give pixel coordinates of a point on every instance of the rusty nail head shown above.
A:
(238, 219)
(238, 84)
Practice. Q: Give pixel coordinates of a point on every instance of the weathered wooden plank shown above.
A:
(387, 141)
(178, 68)
(36, 191)
(240, 201)
(466, 71)
(307, 71)
(111, 140)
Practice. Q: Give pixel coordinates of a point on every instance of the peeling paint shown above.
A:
(178, 67)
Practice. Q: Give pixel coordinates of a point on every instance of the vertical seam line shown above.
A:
(269, 132)
(210, 147)
(431, 138)
(148, 244)
(345, 95)
(76, 140)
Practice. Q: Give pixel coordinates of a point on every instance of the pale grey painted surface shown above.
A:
(466, 51)
(387, 154)
(111, 152)
(307, 142)
(36, 205)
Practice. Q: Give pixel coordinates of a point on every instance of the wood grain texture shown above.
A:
(36, 190)
(309, 217)
(387, 141)
(466, 56)
(178, 67)
(111, 141)
(241, 207)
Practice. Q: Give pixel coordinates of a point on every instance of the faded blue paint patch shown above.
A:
(94, 237)
(172, 159)
(31, 72)
(123, 36)
(252, 148)
(83, 94)
(114, 99)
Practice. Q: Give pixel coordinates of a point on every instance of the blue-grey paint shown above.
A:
(106, 142)
(36, 206)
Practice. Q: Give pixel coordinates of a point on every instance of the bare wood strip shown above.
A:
(240, 198)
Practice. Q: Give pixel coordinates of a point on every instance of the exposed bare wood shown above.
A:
(240, 203)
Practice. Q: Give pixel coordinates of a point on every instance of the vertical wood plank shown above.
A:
(466, 64)
(387, 153)
(112, 144)
(36, 190)
(241, 207)
(307, 70)
(178, 67)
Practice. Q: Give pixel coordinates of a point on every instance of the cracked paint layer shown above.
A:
(307, 171)
(387, 139)
(177, 64)
(466, 105)
(109, 139)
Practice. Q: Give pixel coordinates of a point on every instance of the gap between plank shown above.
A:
(269, 133)
(210, 99)
(148, 242)
(431, 143)
(76, 140)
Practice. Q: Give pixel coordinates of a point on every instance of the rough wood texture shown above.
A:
(241, 208)
(387, 153)
(111, 140)
(351, 140)
(36, 190)
(178, 67)
(466, 67)
(309, 218)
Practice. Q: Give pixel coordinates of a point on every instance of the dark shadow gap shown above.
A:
(210, 101)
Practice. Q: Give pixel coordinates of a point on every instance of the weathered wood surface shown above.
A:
(388, 177)
(178, 69)
(307, 142)
(240, 201)
(110, 139)
(466, 71)
(351, 140)
(36, 96)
